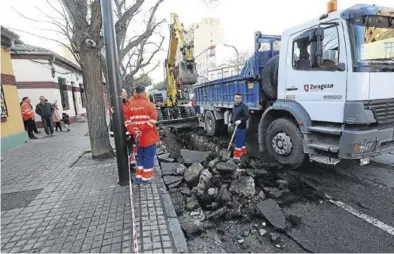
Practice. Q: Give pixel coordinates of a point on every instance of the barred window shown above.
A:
(63, 93)
(4, 111)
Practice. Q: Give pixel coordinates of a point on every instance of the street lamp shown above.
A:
(115, 83)
(236, 51)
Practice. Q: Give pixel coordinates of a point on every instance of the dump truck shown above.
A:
(322, 91)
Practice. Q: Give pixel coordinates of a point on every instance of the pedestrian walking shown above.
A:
(44, 109)
(66, 121)
(140, 120)
(239, 119)
(56, 117)
(28, 117)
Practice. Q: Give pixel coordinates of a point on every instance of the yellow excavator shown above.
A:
(180, 67)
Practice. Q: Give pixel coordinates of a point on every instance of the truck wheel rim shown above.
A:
(281, 143)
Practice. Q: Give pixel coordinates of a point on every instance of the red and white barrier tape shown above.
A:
(135, 238)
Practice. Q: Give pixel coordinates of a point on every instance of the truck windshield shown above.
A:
(373, 40)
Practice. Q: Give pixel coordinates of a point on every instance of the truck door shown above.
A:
(320, 90)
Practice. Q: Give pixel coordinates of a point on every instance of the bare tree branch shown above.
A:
(150, 28)
(124, 20)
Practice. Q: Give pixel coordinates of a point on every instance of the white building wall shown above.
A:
(72, 79)
(31, 70)
(39, 70)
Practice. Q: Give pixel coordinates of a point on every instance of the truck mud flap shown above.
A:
(180, 123)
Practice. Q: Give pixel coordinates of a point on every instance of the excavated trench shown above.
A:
(227, 206)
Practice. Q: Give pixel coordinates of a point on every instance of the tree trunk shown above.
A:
(98, 130)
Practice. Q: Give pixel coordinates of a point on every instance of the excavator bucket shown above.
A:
(187, 73)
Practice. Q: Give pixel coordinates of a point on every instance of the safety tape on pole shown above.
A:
(135, 238)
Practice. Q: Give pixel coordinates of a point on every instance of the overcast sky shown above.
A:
(241, 18)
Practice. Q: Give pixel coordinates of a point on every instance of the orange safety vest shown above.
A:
(141, 116)
(26, 111)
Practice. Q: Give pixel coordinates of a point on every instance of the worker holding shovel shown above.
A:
(239, 118)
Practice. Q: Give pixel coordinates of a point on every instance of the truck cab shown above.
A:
(335, 94)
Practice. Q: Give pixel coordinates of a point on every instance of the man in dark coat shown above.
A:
(239, 118)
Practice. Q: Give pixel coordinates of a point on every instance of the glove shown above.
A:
(237, 122)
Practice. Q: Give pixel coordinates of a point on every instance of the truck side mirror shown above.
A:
(341, 66)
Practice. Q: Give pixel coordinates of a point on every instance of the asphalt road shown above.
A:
(359, 217)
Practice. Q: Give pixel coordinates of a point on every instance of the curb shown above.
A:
(178, 237)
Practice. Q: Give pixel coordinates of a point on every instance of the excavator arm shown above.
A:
(183, 72)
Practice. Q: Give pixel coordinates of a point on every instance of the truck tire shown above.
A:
(184, 111)
(284, 143)
(192, 111)
(212, 126)
(270, 78)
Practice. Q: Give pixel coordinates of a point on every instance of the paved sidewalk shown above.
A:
(56, 199)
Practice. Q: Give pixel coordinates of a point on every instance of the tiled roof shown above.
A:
(8, 33)
(20, 48)
(26, 48)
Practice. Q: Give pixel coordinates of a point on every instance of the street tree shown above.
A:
(238, 61)
(143, 80)
(80, 22)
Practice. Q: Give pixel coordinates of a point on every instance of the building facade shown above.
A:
(13, 133)
(41, 72)
(217, 61)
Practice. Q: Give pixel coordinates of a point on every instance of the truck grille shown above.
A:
(382, 109)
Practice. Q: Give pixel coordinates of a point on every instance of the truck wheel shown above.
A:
(284, 143)
(270, 85)
(184, 111)
(192, 111)
(212, 126)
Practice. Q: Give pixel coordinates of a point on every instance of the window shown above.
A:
(83, 95)
(63, 93)
(389, 49)
(302, 50)
(226, 73)
(4, 111)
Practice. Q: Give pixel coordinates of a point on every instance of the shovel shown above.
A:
(226, 153)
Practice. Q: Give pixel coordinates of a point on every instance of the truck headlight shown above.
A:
(364, 147)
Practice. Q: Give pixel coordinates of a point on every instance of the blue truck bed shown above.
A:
(220, 92)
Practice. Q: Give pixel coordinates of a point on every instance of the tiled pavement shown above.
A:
(51, 203)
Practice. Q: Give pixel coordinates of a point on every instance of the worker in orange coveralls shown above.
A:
(140, 120)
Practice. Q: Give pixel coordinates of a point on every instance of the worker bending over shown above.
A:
(239, 118)
(140, 119)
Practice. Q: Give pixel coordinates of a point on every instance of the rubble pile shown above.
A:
(207, 191)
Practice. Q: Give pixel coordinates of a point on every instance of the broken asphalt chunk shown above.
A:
(244, 186)
(168, 180)
(275, 238)
(273, 213)
(216, 214)
(191, 227)
(190, 156)
(225, 167)
(180, 169)
(169, 168)
(165, 157)
(192, 173)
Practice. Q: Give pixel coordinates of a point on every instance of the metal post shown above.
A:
(115, 83)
